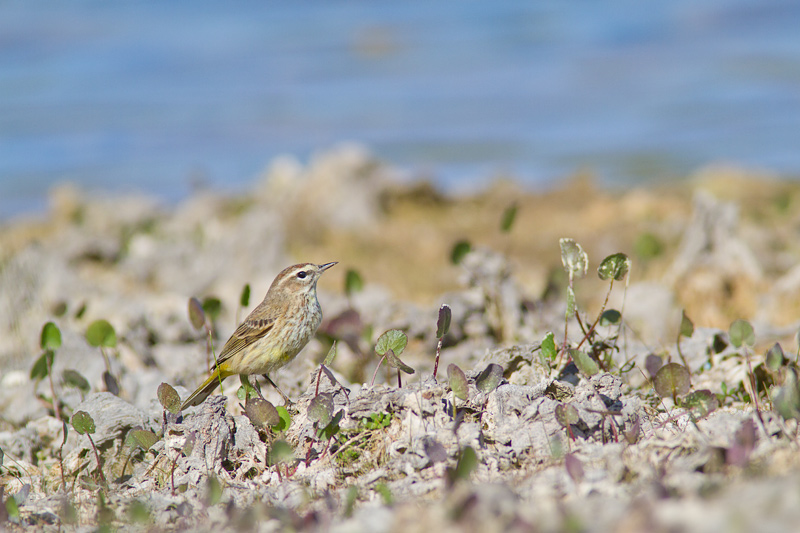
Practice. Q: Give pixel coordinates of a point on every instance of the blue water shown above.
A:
(152, 95)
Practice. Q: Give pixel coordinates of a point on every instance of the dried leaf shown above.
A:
(197, 317)
(653, 364)
(111, 383)
(434, 450)
(574, 259)
(574, 467)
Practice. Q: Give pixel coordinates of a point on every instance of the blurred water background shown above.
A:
(152, 96)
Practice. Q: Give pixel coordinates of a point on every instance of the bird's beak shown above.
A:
(326, 266)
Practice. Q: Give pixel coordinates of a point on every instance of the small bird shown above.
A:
(273, 333)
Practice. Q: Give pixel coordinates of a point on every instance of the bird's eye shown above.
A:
(302, 274)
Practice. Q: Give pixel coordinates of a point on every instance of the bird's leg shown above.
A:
(286, 399)
(249, 390)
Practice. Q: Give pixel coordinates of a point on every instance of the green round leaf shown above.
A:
(787, 399)
(566, 414)
(280, 452)
(458, 381)
(320, 409)
(687, 327)
(169, 398)
(83, 423)
(143, 438)
(460, 249)
(549, 350)
(490, 378)
(610, 317)
(51, 337)
(244, 298)
(584, 362)
(741, 332)
(703, 400)
(197, 317)
(331, 355)
(614, 266)
(648, 246)
(774, 357)
(672, 380)
(353, 282)
(394, 340)
(261, 413)
(212, 307)
(332, 428)
(101, 333)
(286, 419)
(507, 221)
(41, 368)
(73, 378)
(443, 322)
(574, 259)
(467, 463)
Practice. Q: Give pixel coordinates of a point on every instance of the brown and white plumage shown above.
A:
(273, 333)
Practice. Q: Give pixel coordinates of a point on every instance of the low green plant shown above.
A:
(83, 424)
(389, 346)
(49, 341)
(442, 327)
(101, 334)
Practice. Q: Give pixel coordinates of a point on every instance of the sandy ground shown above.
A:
(551, 446)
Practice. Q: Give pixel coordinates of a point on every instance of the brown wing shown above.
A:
(246, 334)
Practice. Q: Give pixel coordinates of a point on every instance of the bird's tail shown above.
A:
(203, 391)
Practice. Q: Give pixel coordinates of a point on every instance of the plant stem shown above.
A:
(56, 408)
(436, 361)
(97, 456)
(376, 371)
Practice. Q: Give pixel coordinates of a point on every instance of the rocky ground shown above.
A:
(659, 423)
